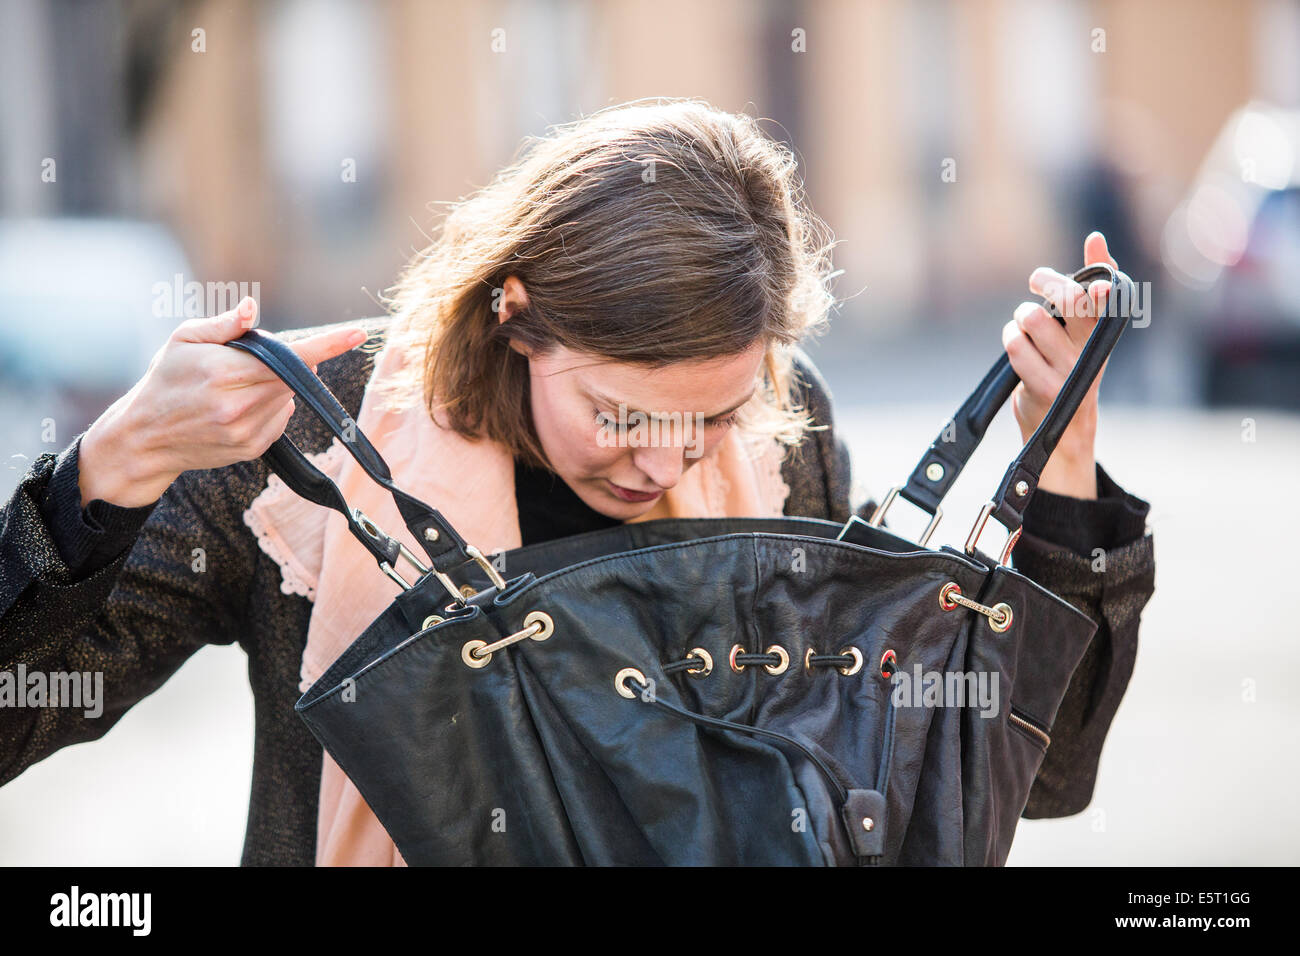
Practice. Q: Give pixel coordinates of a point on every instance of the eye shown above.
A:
(722, 422)
(607, 420)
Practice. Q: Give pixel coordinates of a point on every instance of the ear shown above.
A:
(513, 298)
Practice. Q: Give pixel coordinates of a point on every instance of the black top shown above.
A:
(549, 508)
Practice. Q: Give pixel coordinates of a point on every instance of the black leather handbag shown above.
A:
(705, 691)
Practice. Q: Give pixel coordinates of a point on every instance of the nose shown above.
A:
(663, 465)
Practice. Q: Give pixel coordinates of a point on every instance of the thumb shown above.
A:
(221, 328)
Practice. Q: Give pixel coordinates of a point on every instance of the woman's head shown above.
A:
(655, 254)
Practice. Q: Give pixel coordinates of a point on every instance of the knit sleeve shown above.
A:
(122, 601)
(1096, 555)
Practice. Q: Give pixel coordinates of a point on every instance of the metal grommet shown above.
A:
(467, 590)
(944, 601)
(1005, 623)
(621, 678)
(807, 659)
(369, 526)
(431, 620)
(780, 652)
(469, 655)
(856, 666)
(548, 625)
(731, 658)
(705, 656)
(888, 664)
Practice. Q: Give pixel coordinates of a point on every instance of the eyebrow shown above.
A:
(596, 396)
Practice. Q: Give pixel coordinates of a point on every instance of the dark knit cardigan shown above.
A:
(112, 589)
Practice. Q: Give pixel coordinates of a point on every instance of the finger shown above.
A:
(279, 421)
(1070, 299)
(1042, 382)
(269, 427)
(220, 328)
(1052, 341)
(1096, 252)
(1099, 292)
(326, 345)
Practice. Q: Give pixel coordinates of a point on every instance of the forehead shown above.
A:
(707, 385)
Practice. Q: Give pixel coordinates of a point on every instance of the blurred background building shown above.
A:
(302, 148)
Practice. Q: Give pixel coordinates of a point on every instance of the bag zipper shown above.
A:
(1032, 728)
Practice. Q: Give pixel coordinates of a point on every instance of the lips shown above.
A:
(629, 495)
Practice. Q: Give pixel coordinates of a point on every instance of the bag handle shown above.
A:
(446, 549)
(949, 453)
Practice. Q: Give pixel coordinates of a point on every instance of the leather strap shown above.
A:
(949, 453)
(1021, 479)
(447, 550)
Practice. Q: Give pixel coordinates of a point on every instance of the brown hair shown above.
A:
(648, 233)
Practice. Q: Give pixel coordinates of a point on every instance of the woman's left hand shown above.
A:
(1043, 353)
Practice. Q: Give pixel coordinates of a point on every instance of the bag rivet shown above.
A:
(1022, 488)
(934, 471)
(868, 824)
(430, 534)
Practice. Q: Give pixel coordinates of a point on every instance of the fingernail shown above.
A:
(357, 337)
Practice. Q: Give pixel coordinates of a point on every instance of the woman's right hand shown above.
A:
(200, 405)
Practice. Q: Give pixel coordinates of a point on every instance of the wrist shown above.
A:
(1070, 472)
(114, 465)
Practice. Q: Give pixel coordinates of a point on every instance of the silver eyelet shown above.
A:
(621, 678)
(856, 666)
(469, 654)
(548, 625)
(701, 654)
(780, 668)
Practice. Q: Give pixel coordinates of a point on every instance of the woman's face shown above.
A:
(605, 453)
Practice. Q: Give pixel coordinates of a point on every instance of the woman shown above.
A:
(659, 257)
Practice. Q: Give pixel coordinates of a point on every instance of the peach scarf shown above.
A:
(473, 487)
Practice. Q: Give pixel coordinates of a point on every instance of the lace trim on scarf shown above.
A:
(296, 578)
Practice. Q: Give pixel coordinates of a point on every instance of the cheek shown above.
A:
(569, 434)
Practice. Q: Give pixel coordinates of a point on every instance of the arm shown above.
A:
(128, 587)
(1097, 555)
(111, 591)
